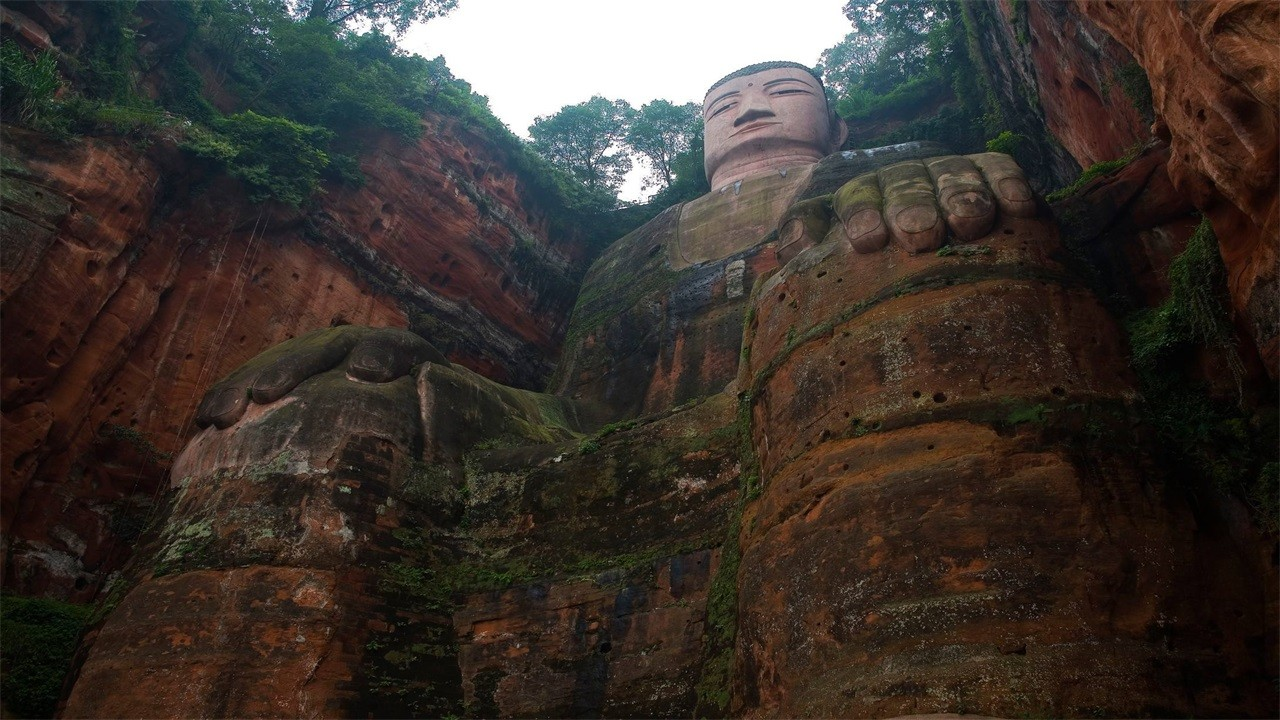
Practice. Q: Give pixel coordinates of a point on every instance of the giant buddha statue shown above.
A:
(844, 437)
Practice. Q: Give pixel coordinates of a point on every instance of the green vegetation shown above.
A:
(1136, 87)
(37, 640)
(905, 99)
(281, 94)
(913, 60)
(1232, 447)
(596, 142)
(715, 683)
(1097, 170)
(1007, 142)
(660, 132)
(137, 439)
(27, 86)
(585, 140)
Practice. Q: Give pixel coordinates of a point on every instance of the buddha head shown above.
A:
(767, 116)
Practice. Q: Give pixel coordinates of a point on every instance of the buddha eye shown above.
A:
(790, 91)
(721, 109)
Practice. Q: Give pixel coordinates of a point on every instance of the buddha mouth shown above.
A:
(754, 126)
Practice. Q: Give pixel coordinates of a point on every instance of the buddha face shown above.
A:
(768, 120)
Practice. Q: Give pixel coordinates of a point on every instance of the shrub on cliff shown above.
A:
(37, 639)
(275, 157)
(27, 86)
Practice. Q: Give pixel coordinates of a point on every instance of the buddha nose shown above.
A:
(753, 108)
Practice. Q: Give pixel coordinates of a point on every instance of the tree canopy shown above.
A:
(397, 14)
(659, 131)
(586, 140)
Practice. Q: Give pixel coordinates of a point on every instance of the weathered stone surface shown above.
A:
(128, 292)
(658, 323)
(242, 642)
(1085, 80)
(357, 482)
(954, 512)
(641, 520)
(1213, 72)
(612, 647)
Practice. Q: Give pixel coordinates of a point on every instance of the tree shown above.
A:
(399, 14)
(585, 140)
(689, 177)
(900, 31)
(659, 131)
(843, 65)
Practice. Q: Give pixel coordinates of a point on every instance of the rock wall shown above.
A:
(1084, 80)
(311, 564)
(133, 279)
(956, 508)
(1216, 88)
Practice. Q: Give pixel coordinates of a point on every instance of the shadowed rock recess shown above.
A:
(872, 433)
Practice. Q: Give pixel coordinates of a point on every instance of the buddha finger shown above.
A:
(286, 365)
(910, 210)
(804, 225)
(223, 405)
(1008, 183)
(386, 354)
(860, 206)
(963, 196)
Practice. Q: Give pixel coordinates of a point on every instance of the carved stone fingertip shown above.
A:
(273, 384)
(866, 231)
(919, 228)
(222, 407)
(792, 240)
(1015, 197)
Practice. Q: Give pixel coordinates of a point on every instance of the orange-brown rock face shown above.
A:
(1213, 72)
(132, 281)
(1081, 83)
(313, 564)
(956, 511)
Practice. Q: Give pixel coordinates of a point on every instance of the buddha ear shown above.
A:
(840, 132)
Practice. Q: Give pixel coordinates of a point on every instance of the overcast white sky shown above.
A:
(532, 57)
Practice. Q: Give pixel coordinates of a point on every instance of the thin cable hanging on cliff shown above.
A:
(216, 348)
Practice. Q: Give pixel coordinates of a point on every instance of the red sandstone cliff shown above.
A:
(133, 279)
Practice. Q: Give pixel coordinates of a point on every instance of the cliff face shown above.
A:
(1087, 84)
(1215, 84)
(935, 495)
(133, 279)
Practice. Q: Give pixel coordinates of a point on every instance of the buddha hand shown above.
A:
(368, 355)
(914, 203)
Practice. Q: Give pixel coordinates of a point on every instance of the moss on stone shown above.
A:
(1097, 170)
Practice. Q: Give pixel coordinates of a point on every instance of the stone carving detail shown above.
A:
(920, 380)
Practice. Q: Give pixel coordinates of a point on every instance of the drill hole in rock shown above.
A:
(939, 397)
(605, 647)
(916, 394)
(1058, 391)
